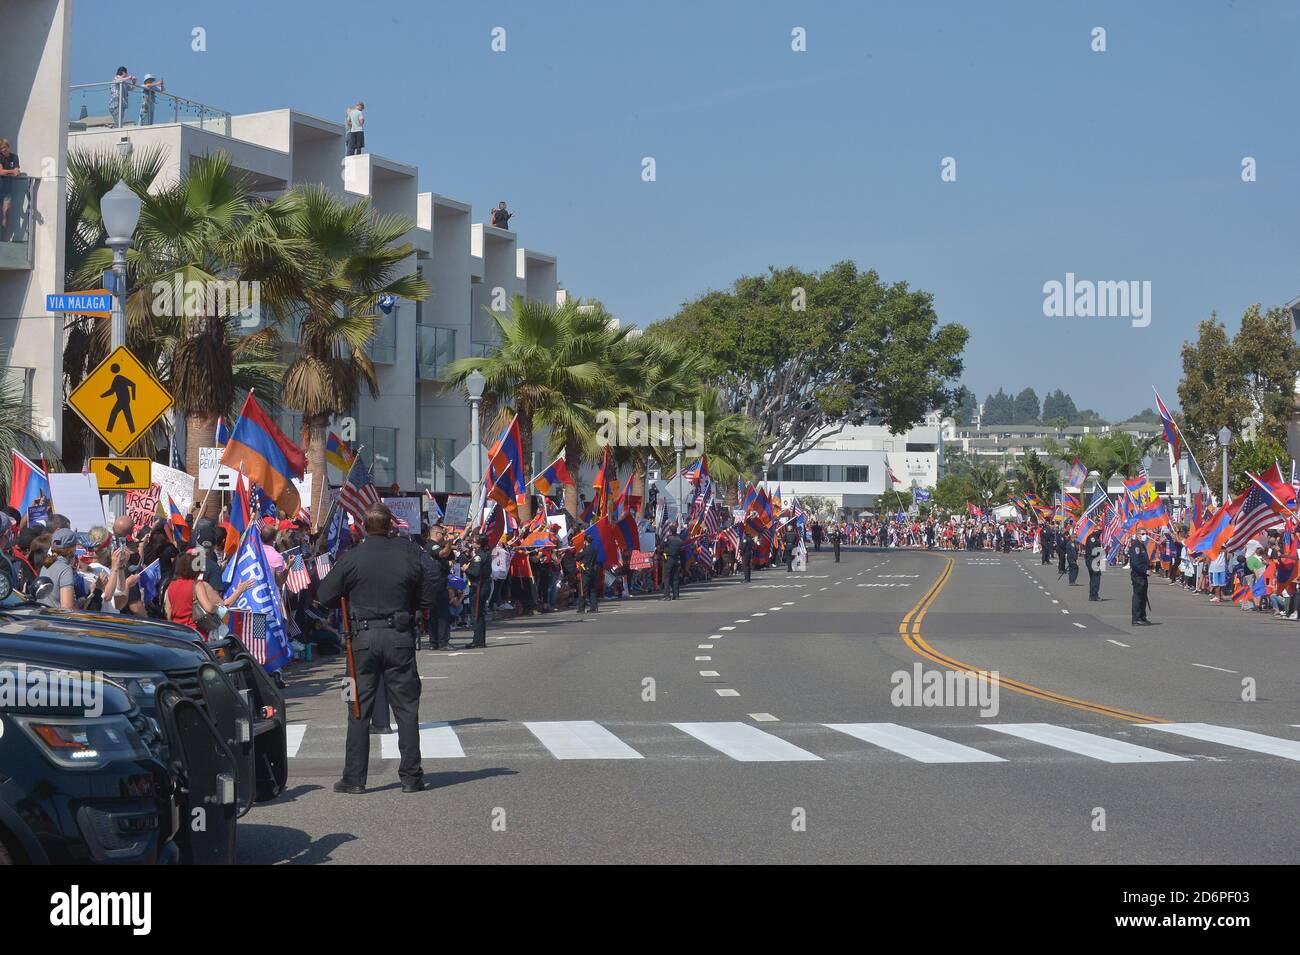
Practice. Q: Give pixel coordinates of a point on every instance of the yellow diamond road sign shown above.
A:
(122, 474)
(120, 400)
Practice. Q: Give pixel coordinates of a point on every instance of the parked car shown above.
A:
(180, 685)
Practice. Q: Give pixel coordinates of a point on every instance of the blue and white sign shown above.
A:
(110, 282)
(921, 495)
(78, 302)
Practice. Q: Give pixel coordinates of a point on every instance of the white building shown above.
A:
(38, 38)
(413, 430)
(849, 466)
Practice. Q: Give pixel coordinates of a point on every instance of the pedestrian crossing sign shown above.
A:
(120, 400)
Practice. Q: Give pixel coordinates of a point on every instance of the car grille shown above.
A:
(145, 730)
(187, 681)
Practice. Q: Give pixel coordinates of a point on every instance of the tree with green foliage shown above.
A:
(1226, 382)
(1058, 404)
(1027, 408)
(998, 409)
(803, 354)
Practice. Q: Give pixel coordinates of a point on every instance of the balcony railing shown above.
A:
(16, 236)
(383, 347)
(129, 105)
(437, 349)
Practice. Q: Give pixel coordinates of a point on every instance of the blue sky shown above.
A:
(1116, 165)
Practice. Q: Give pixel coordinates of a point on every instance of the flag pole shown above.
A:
(1190, 453)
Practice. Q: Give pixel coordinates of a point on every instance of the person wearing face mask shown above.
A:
(1139, 565)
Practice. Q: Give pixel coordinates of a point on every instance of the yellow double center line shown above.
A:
(910, 631)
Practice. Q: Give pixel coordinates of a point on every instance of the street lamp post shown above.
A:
(474, 384)
(678, 448)
(1224, 437)
(120, 210)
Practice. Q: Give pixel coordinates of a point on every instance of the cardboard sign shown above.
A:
(76, 497)
(456, 513)
(178, 485)
(142, 505)
(642, 560)
(561, 524)
(407, 509)
(213, 475)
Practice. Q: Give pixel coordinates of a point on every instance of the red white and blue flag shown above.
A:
(27, 483)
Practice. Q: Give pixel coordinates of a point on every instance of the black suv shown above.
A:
(180, 691)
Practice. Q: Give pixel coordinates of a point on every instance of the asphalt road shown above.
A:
(758, 723)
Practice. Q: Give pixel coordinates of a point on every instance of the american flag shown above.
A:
(323, 565)
(250, 629)
(298, 579)
(889, 473)
(1255, 516)
(401, 525)
(358, 491)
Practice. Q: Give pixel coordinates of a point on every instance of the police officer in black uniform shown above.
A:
(1139, 565)
(1061, 539)
(1072, 557)
(747, 553)
(440, 550)
(837, 537)
(479, 575)
(1046, 542)
(817, 536)
(791, 541)
(673, 565)
(593, 575)
(385, 586)
(433, 569)
(1092, 556)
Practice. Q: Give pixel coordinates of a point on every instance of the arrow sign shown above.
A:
(121, 474)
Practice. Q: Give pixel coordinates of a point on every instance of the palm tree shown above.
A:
(194, 236)
(1036, 476)
(1126, 452)
(988, 483)
(18, 431)
(550, 357)
(349, 257)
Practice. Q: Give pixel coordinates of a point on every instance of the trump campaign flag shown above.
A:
(263, 597)
(263, 452)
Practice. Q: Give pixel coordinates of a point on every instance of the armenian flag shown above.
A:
(263, 452)
(1171, 429)
(604, 538)
(552, 477)
(223, 432)
(603, 486)
(500, 490)
(241, 514)
(506, 456)
(1210, 537)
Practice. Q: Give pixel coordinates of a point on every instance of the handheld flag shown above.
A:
(506, 455)
(555, 475)
(338, 453)
(262, 451)
(262, 598)
(27, 483)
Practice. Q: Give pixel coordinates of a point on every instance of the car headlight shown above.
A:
(141, 687)
(83, 742)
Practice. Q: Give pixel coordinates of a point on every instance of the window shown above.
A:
(433, 457)
(437, 347)
(379, 448)
(383, 347)
(857, 474)
(804, 472)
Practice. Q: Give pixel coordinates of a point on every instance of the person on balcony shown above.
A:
(10, 170)
(501, 217)
(356, 121)
(150, 89)
(117, 97)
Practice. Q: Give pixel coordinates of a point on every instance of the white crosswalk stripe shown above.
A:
(1227, 736)
(581, 739)
(914, 744)
(743, 742)
(1085, 744)
(746, 743)
(437, 741)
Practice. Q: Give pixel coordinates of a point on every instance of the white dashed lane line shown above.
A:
(1118, 644)
(1206, 666)
(727, 692)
